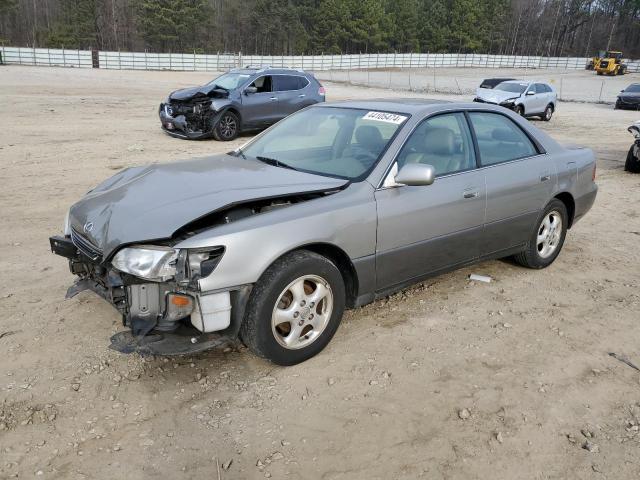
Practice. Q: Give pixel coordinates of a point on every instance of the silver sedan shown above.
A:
(331, 208)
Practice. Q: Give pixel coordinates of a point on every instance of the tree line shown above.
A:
(295, 27)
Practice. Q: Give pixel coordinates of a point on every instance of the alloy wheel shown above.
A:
(302, 312)
(549, 234)
(227, 126)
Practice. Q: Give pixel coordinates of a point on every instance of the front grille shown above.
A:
(87, 248)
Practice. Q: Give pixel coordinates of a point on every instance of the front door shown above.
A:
(425, 229)
(260, 108)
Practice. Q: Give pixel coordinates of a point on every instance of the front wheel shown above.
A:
(520, 110)
(632, 164)
(547, 239)
(228, 127)
(295, 308)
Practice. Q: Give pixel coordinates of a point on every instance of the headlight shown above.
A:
(152, 263)
(509, 100)
(67, 225)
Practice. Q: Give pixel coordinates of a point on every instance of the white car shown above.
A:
(529, 99)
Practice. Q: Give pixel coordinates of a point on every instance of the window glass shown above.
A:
(443, 142)
(512, 87)
(340, 142)
(229, 81)
(499, 138)
(263, 84)
(302, 82)
(286, 82)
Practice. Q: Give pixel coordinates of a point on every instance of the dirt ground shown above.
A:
(447, 380)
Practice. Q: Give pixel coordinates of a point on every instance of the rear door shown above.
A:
(425, 229)
(291, 97)
(520, 180)
(260, 108)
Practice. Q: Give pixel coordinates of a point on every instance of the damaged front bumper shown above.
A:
(164, 318)
(183, 126)
(508, 104)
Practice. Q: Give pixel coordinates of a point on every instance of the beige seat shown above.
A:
(439, 150)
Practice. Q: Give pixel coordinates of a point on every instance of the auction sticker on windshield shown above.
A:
(385, 117)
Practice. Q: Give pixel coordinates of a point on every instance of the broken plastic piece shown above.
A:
(480, 278)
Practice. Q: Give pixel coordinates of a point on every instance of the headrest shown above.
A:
(439, 141)
(259, 82)
(369, 136)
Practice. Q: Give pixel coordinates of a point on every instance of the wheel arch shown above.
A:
(233, 109)
(569, 203)
(341, 260)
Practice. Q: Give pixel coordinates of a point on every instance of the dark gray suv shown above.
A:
(242, 99)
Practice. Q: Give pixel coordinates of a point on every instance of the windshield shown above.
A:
(338, 142)
(512, 87)
(635, 88)
(230, 81)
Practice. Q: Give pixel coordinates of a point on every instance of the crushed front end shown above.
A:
(166, 312)
(192, 117)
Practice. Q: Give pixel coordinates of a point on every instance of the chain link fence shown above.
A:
(571, 85)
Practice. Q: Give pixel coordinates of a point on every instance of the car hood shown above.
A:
(495, 96)
(143, 204)
(187, 94)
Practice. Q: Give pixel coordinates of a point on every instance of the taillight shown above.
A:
(321, 91)
(593, 175)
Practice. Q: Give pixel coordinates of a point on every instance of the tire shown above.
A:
(227, 128)
(632, 164)
(599, 73)
(536, 257)
(548, 113)
(520, 110)
(288, 330)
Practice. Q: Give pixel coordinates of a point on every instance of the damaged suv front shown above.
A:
(195, 113)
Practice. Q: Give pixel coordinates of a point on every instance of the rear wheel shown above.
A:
(547, 239)
(548, 113)
(228, 127)
(295, 308)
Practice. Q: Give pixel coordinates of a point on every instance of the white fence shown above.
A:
(224, 61)
(46, 57)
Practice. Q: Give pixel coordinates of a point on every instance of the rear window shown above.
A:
(500, 139)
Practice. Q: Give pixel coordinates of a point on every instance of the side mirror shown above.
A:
(250, 90)
(416, 174)
(530, 93)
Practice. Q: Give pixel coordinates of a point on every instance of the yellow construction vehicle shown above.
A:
(595, 60)
(611, 64)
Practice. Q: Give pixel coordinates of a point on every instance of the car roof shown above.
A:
(259, 69)
(398, 105)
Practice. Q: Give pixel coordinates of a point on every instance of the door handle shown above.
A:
(470, 194)
(273, 99)
(301, 95)
(544, 178)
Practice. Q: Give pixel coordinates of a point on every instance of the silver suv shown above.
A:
(529, 99)
(249, 98)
